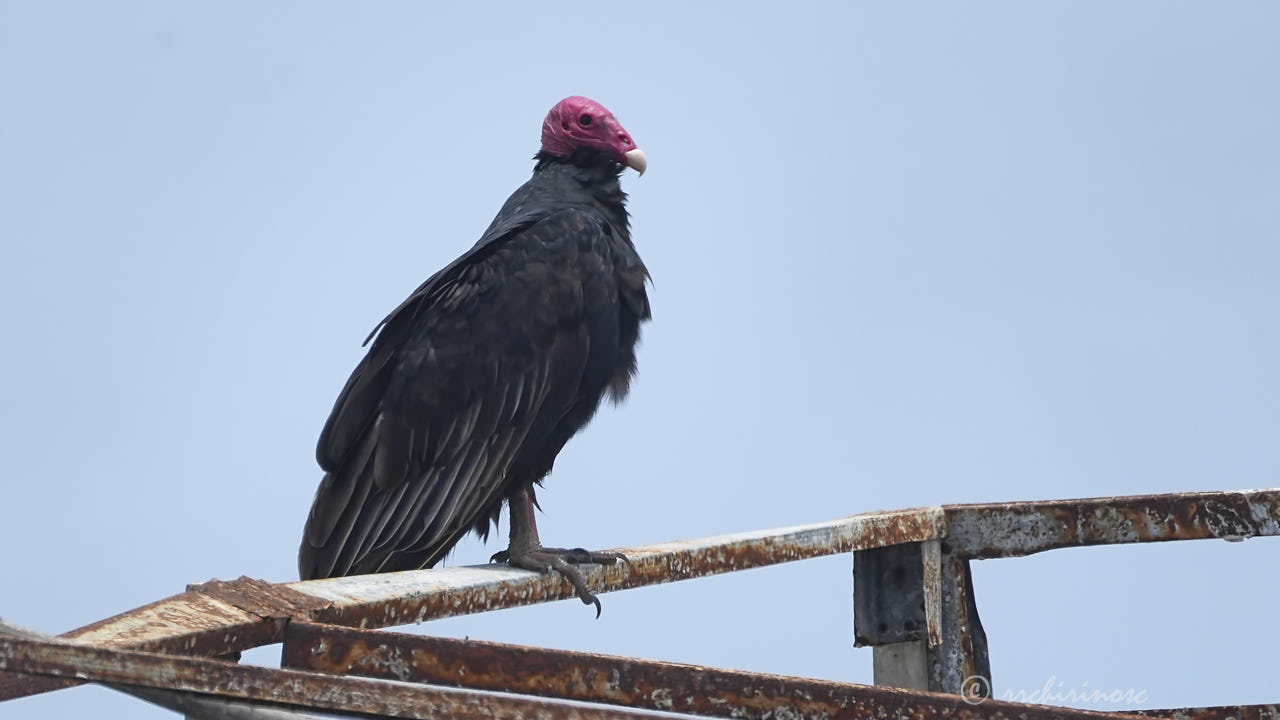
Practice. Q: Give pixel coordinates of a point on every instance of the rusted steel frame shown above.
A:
(188, 623)
(960, 663)
(1226, 712)
(409, 597)
(195, 707)
(629, 682)
(892, 614)
(290, 688)
(213, 618)
(219, 618)
(1015, 529)
(210, 619)
(889, 603)
(915, 605)
(13, 685)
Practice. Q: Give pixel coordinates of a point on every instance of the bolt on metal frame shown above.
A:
(914, 604)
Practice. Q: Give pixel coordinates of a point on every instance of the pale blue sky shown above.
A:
(903, 254)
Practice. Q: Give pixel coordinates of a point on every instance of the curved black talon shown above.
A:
(562, 561)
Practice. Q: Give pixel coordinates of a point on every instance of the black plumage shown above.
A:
(478, 379)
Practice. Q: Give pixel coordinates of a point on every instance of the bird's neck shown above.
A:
(596, 175)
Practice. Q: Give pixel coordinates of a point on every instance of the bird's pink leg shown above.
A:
(525, 550)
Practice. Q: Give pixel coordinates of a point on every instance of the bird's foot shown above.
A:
(560, 560)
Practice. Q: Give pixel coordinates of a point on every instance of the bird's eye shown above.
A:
(584, 121)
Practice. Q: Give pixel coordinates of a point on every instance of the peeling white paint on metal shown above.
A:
(483, 582)
(662, 699)
(175, 616)
(931, 579)
(1263, 519)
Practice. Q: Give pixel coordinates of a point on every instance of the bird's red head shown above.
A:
(582, 122)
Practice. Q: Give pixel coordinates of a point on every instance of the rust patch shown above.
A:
(1014, 529)
(283, 687)
(668, 562)
(187, 623)
(220, 618)
(1233, 712)
(211, 619)
(931, 582)
(13, 685)
(261, 598)
(628, 682)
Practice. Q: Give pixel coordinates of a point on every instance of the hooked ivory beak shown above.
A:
(636, 160)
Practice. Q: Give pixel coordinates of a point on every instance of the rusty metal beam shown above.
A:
(194, 707)
(218, 618)
(410, 597)
(223, 618)
(211, 619)
(290, 688)
(190, 623)
(1229, 712)
(628, 682)
(957, 663)
(1015, 529)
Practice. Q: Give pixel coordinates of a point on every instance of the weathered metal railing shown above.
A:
(913, 593)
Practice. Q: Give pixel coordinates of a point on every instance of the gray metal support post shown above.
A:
(914, 604)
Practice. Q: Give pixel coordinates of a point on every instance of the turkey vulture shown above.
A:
(478, 379)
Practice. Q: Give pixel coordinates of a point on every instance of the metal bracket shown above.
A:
(914, 604)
